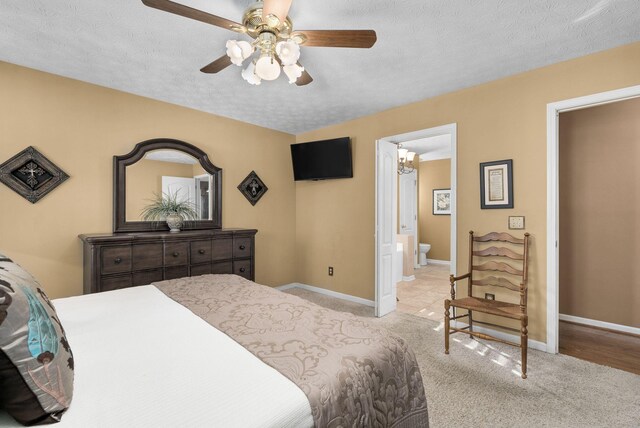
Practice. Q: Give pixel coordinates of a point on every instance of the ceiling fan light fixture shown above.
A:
(238, 51)
(293, 72)
(249, 74)
(288, 52)
(267, 68)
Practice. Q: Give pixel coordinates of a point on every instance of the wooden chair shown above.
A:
(504, 280)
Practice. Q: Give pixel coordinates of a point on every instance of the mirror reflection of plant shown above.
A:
(165, 204)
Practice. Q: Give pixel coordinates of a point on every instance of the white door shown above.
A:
(184, 187)
(386, 225)
(408, 212)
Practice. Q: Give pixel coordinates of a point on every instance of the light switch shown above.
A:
(516, 222)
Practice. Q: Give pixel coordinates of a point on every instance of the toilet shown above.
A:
(424, 249)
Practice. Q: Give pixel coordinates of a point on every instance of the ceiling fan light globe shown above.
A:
(249, 74)
(293, 72)
(267, 68)
(238, 51)
(288, 52)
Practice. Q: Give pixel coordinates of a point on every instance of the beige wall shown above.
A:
(599, 213)
(144, 179)
(505, 119)
(434, 229)
(80, 127)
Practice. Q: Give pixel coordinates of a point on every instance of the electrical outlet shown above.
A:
(330, 270)
(489, 296)
(516, 222)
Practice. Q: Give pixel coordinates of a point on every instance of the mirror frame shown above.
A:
(120, 163)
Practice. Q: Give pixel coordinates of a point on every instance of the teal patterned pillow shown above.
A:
(36, 363)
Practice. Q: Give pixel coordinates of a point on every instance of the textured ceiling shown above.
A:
(425, 48)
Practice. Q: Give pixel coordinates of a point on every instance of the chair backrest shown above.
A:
(485, 255)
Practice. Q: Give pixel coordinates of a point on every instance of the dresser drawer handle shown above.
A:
(117, 260)
(176, 254)
(242, 247)
(201, 251)
(242, 270)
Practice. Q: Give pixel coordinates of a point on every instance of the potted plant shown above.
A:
(167, 207)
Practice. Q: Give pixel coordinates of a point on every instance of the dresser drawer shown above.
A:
(115, 282)
(115, 259)
(176, 253)
(200, 270)
(222, 249)
(242, 268)
(241, 247)
(222, 267)
(147, 277)
(176, 272)
(200, 252)
(147, 256)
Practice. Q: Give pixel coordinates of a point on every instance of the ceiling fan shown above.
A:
(276, 43)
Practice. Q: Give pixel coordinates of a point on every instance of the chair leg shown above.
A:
(470, 324)
(524, 345)
(446, 326)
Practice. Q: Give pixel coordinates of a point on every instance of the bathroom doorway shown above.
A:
(426, 233)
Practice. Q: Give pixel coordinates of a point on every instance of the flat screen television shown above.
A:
(321, 160)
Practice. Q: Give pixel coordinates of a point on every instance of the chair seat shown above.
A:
(494, 307)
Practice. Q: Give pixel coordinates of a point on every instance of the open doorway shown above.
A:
(599, 150)
(593, 279)
(418, 198)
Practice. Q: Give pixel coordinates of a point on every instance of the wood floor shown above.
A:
(601, 346)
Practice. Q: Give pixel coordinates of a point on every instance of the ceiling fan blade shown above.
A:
(218, 65)
(198, 15)
(336, 38)
(279, 8)
(305, 79)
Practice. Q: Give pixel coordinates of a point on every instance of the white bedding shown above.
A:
(143, 360)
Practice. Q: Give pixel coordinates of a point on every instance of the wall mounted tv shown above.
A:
(321, 160)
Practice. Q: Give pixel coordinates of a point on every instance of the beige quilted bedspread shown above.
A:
(354, 374)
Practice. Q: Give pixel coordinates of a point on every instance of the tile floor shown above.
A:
(425, 295)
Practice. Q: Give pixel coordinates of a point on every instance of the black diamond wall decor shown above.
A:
(253, 188)
(31, 175)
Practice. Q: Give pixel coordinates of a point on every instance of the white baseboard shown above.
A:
(601, 324)
(533, 344)
(438, 262)
(409, 278)
(326, 292)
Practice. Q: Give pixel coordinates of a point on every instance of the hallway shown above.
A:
(424, 296)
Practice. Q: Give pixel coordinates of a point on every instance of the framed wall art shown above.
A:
(496, 184)
(31, 175)
(253, 188)
(441, 201)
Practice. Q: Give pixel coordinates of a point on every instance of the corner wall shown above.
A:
(504, 119)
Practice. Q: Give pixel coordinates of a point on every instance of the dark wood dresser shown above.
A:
(113, 261)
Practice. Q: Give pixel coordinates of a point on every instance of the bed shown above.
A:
(220, 350)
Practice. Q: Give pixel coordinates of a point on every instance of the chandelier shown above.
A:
(405, 161)
(272, 58)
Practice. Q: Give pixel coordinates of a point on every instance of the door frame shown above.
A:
(448, 129)
(553, 203)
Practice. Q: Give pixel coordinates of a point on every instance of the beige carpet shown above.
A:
(479, 383)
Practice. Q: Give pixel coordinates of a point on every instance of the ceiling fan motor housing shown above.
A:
(255, 25)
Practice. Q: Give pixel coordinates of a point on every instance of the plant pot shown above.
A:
(174, 221)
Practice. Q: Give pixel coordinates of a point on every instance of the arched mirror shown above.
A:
(161, 168)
